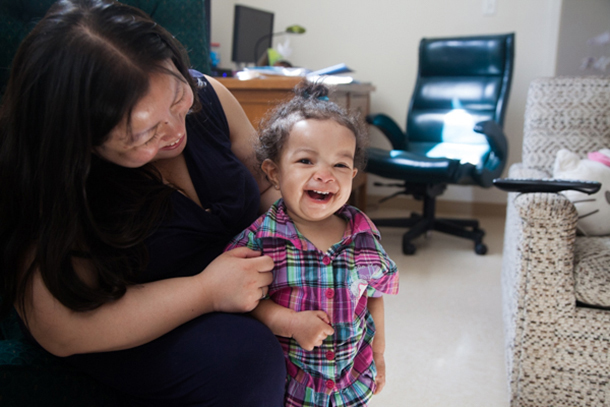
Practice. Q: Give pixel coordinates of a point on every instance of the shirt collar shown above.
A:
(277, 224)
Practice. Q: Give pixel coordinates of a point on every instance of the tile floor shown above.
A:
(444, 329)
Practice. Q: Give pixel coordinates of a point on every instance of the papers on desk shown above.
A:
(332, 70)
(331, 79)
(328, 75)
(258, 71)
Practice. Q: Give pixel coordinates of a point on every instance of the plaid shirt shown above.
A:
(337, 282)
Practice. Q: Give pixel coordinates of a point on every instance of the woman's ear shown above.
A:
(271, 170)
(354, 173)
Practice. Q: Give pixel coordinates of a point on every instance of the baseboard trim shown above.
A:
(447, 208)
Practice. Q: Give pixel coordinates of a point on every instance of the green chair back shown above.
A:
(185, 19)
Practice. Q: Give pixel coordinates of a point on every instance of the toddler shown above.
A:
(325, 303)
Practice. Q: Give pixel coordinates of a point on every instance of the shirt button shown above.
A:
(326, 260)
(330, 355)
(330, 384)
(330, 293)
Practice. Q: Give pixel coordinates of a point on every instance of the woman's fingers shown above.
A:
(236, 278)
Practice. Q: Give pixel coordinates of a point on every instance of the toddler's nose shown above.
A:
(324, 175)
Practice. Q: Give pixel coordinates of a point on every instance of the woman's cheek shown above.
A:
(145, 155)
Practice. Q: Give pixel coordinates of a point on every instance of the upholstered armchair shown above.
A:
(556, 283)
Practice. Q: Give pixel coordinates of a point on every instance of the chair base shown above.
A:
(464, 228)
(420, 224)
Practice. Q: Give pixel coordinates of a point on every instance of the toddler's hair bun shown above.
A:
(311, 90)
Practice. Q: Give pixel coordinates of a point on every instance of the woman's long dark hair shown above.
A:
(75, 77)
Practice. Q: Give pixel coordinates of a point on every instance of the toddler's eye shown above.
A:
(305, 161)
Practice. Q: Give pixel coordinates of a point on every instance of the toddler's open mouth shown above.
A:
(319, 195)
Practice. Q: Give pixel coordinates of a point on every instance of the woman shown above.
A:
(127, 178)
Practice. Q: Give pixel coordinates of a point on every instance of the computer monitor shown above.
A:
(252, 33)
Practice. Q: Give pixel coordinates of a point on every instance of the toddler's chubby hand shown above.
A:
(310, 328)
(380, 365)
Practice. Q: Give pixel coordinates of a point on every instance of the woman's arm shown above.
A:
(376, 308)
(231, 283)
(243, 139)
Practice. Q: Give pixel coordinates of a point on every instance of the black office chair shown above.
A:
(453, 132)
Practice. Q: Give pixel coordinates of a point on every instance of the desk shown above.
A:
(258, 96)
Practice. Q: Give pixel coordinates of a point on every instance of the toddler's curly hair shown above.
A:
(310, 102)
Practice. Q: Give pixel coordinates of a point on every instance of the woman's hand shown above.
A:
(237, 279)
(310, 328)
(380, 365)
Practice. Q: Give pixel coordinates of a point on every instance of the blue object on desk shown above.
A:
(332, 70)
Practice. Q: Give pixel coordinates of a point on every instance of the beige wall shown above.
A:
(379, 40)
(580, 21)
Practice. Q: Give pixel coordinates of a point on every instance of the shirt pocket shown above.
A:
(359, 279)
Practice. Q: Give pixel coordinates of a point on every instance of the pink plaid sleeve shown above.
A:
(384, 280)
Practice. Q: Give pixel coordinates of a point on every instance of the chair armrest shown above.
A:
(495, 137)
(390, 130)
(493, 166)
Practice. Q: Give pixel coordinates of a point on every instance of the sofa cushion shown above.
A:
(592, 270)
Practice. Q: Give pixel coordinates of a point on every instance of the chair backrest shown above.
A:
(470, 73)
(17, 18)
(565, 112)
(185, 19)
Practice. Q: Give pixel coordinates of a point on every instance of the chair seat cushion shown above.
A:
(426, 165)
(592, 270)
(465, 153)
(398, 164)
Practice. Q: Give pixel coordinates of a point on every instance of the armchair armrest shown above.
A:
(547, 211)
(537, 269)
(538, 259)
(390, 130)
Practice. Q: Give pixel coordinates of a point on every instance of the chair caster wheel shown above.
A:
(408, 248)
(480, 248)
